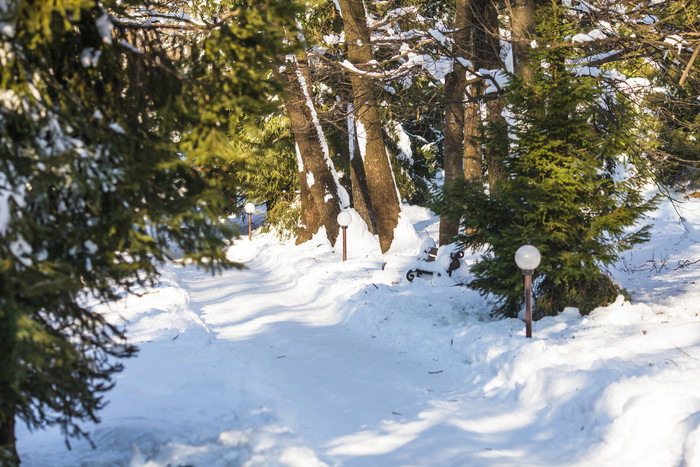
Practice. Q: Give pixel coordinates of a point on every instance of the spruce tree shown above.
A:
(112, 138)
(569, 137)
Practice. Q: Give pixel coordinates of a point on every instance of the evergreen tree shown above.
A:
(270, 176)
(112, 135)
(569, 136)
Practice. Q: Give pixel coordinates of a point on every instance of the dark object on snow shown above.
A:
(432, 255)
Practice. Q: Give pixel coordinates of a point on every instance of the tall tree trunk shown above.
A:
(322, 185)
(455, 84)
(360, 192)
(496, 150)
(455, 87)
(380, 178)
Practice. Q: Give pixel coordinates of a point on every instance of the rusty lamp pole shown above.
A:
(250, 209)
(528, 258)
(344, 220)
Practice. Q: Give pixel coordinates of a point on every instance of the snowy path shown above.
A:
(332, 384)
(302, 360)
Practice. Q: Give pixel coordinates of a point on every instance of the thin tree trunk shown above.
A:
(318, 172)
(497, 149)
(360, 192)
(380, 178)
(455, 87)
(489, 58)
(472, 134)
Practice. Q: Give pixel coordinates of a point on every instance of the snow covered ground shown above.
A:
(303, 360)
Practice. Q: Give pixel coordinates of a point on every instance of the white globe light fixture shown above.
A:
(344, 219)
(528, 258)
(250, 209)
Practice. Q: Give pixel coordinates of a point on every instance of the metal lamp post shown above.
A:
(528, 258)
(250, 209)
(344, 220)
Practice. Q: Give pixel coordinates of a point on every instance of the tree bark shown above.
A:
(455, 87)
(310, 219)
(8, 378)
(360, 192)
(497, 149)
(522, 18)
(321, 201)
(489, 57)
(380, 178)
(473, 154)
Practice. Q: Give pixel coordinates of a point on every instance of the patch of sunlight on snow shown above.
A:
(391, 436)
(501, 453)
(297, 456)
(497, 424)
(255, 326)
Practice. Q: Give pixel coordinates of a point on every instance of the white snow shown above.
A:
(300, 162)
(593, 35)
(9, 196)
(438, 36)
(7, 30)
(89, 57)
(676, 41)
(334, 39)
(402, 140)
(361, 134)
(438, 68)
(337, 8)
(91, 246)
(114, 126)
(104, 27)
(351, 130)
(304, 360)
(21, 250)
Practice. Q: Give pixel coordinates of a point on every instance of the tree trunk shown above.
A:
(455, 87)
(310, 219)
(455, 84)
(472, 134)
(360, 193)
(8, 447)
(370, 137)
(496, 150)
(318, 174)
(8, 377)
(522, 18)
